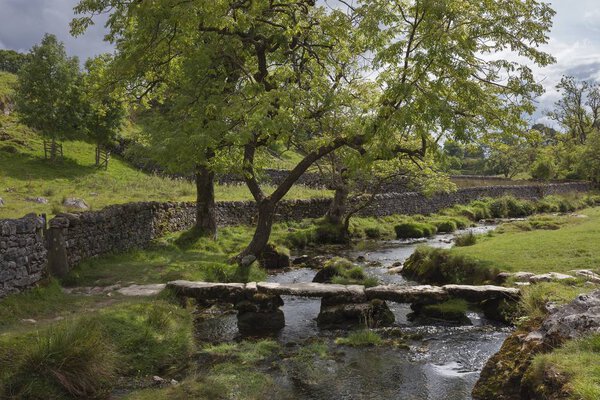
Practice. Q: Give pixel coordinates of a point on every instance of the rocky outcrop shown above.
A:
(502, 376)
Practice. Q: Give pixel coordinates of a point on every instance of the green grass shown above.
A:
(81, 356)
(532, 304)
(7, 85)
(361, 338)
(202, 260)
(235, 374)
(24, 173)
(46, 303)
(578, 361)
(442, 266)
(573, 246)
(345, 272)
(67, 360)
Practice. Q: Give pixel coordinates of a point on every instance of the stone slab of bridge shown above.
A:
(259, 303)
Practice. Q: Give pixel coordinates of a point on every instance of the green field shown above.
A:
(574, 246)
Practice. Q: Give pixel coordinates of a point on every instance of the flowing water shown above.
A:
(443, 363)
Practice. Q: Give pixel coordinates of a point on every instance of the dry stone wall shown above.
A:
(22, 253)
(72, 238)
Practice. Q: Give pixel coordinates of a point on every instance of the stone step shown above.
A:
(395, 293)
(481, 292)
(207, 290)
(407, 294)
(310, 289)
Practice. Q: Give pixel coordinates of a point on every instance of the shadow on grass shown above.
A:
(26, 167)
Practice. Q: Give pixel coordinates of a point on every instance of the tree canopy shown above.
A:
(375, 76)
(49, 91)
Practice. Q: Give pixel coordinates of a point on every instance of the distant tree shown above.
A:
(578, 110)
(49, 92)
(11, 61)
(549, 136)
(544, 168)
(590, 160)
(104, 110)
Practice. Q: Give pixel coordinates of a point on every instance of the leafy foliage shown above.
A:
(49, 90)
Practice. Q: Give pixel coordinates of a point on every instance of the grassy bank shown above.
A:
(85, 356)
(25, 174)
(570, 243)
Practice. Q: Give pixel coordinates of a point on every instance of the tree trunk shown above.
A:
(264, 224)
(206, 213)
(97, 155)
(339, 205)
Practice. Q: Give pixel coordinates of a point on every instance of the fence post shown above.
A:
(58, 261)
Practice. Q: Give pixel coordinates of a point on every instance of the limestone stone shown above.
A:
(142, 290)
(309, 289)
(76, 204)
(549, 277)
(588, 275)
(39, 200)
(407, 294)
(482, 292)
(207, 290)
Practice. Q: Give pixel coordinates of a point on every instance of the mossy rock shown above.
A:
(502, 376)
(260, 323)
(274, 257)
(453, 311)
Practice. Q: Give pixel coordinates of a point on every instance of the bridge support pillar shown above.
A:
(259, 314)
(342, 312)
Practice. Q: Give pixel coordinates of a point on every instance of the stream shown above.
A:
(443, 363)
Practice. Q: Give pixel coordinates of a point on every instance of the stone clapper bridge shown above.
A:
(258, 303)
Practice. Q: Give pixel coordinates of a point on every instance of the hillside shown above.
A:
(25, 175)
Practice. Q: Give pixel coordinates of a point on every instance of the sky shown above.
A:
(574, 39)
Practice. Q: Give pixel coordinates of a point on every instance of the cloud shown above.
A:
(23, 23)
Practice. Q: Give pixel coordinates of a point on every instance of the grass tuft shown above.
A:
(361, 338)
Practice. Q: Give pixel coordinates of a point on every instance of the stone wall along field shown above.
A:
(22, 253)
(73, 238)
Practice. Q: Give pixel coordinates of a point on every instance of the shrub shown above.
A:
(467, 239)
(510, 207)
(543, 168)
(414, 230)
(73, 359)
(445, 226)
(441, 266)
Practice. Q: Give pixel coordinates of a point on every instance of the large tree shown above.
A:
(578, 109)
(304, 72)
(49, 92)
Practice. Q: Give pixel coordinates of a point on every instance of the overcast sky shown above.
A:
(574, 40)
